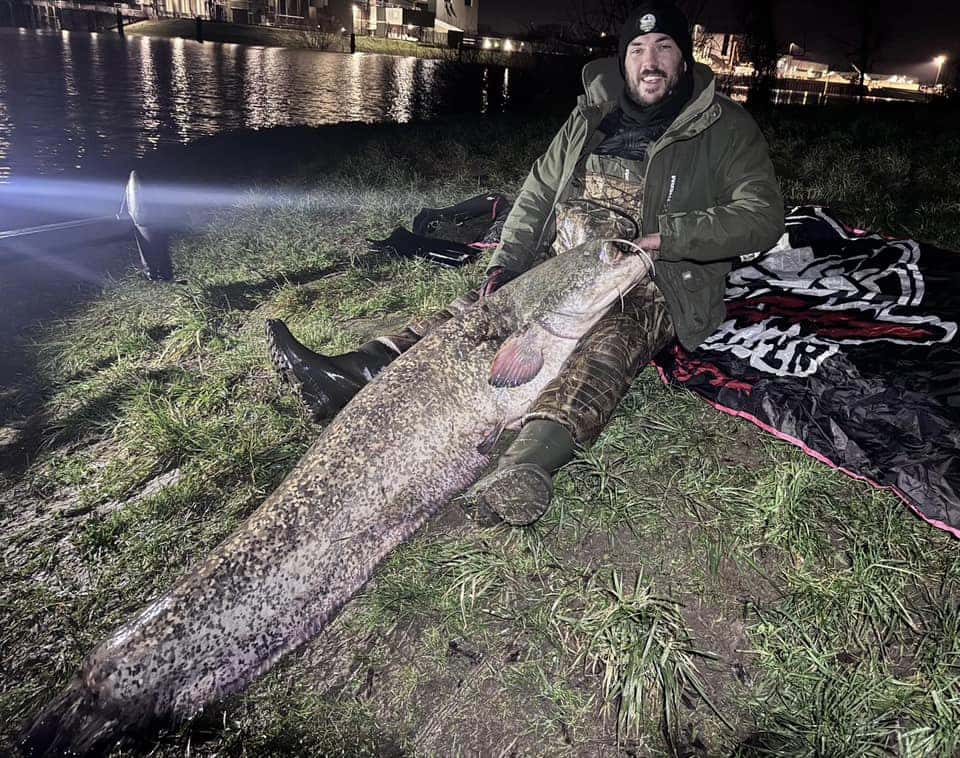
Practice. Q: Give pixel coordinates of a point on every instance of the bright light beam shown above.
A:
(166, 205)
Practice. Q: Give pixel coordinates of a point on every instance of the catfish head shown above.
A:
(556, 303)
(568, 294)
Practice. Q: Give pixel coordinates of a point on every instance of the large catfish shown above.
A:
(413, 438)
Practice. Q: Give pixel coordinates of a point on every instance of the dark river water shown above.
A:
(75, 105)
(78, 111)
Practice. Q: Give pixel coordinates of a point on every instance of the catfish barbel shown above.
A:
(413, 438)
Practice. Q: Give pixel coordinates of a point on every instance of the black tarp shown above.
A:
(845, 343)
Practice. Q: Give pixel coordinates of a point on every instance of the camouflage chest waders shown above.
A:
(576, 405)
(584, 395)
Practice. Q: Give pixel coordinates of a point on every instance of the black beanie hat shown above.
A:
(661, 17)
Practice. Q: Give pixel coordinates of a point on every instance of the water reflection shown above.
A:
(6, 129)
(76, 135)
(148, 135)
(403, 76)
(485, 90)
(77, 98)
(182, 105)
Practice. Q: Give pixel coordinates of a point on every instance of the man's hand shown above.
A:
(650, 243)
(496, 278)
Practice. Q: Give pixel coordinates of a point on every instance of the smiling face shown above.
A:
(653, 65)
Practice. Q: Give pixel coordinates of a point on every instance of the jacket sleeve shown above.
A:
(748, 216)
(531, 211)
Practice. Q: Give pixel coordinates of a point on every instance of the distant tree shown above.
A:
(866, 42)
(548, 36)
(760, 48)
(951, 79)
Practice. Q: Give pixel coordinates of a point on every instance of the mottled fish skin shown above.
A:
(404, 446)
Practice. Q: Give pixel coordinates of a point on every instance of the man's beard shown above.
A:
(633, 86)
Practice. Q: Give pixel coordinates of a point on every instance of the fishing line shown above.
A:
(639, 250)
(59, 226)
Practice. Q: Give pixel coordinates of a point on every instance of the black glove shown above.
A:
(403, 244)
(496, 278)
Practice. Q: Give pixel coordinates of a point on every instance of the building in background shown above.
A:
(722, 51)
(456, 15)
(428, 21)
(791, 67)
(329, 16)
(726, 54)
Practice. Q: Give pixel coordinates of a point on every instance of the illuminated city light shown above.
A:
(939, 60)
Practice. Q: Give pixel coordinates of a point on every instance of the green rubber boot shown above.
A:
(520, 489)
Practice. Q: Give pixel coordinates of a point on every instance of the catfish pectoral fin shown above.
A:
(517, 361)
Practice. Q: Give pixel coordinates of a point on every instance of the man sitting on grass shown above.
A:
(669, 165)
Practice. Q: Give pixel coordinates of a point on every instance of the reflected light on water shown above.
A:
(6, 130)
(267, 78)
(354, 84)
(75, 133)
(77, 99)
(485, 91)
(149, 136)
(97, 103)
(180, 106)
(401, 109)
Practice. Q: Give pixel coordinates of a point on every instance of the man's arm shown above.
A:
(749, 215)
(531, 211)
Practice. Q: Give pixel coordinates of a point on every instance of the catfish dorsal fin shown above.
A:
(518, 360)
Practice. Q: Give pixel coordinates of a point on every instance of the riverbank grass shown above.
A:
(698, 588)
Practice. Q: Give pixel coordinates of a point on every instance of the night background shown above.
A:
(911, 34)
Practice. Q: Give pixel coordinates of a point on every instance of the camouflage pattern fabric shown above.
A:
(413, 332)
(585, 393)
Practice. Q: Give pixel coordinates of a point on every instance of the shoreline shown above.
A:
(297, 39)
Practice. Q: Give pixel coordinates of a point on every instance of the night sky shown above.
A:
(915, 32)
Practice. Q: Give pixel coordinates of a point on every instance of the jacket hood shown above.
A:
(602, 83)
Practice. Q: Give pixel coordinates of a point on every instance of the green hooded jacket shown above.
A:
(710, 191)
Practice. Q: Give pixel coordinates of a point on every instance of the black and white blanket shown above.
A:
(844, 343)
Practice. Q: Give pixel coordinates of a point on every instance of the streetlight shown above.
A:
(939, 60)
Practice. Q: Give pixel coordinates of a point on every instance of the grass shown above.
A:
(698, 588)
